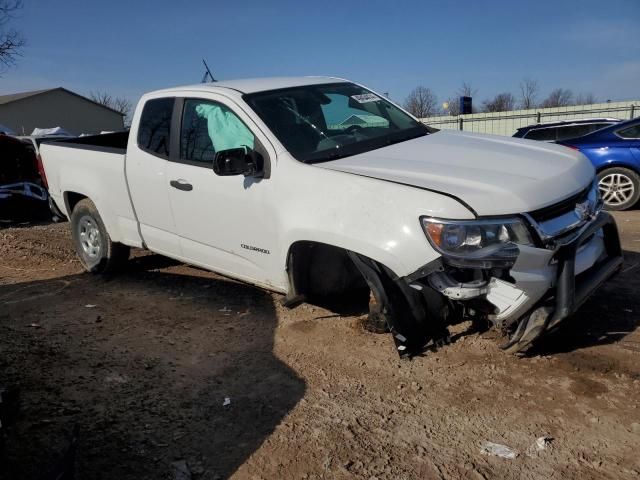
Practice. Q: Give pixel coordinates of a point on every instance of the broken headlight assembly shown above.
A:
(477, 243)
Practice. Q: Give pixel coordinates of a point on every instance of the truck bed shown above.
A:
(109, 142)
(93, 167)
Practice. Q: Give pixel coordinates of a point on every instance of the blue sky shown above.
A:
(127, 48)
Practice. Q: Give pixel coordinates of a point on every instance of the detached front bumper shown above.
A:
(548, 282)
(583, 261)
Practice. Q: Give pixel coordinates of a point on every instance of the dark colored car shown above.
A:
(615, 153)
(558, 131)
(22, 195)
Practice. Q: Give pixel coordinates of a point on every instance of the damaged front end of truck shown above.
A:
(522, 275)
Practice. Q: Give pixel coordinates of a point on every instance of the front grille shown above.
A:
(558, 209)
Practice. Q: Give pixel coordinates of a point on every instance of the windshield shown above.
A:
(318, 123)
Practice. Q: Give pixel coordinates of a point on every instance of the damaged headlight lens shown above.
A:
(478, 243)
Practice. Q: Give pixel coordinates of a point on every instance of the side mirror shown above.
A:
(238, 161)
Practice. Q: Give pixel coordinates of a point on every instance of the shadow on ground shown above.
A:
(19, 210)
(609, 316)
(145, 373)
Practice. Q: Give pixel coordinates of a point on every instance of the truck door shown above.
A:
(224, 222)
(146, 165)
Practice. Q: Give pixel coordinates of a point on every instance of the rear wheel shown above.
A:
(619, 188)
(95, 249)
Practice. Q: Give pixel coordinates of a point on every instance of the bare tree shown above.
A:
(503, 102)
(122, 105)
(560, 97)
(453, 102)
(452, 106)
(586, 99)
(11, 41)
(421, 102)
(466, 90)
(119, 104)
(103, 98)
(528, 93)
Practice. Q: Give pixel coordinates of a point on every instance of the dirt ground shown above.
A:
(141, 363)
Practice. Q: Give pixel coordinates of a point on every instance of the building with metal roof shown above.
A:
(57, 107)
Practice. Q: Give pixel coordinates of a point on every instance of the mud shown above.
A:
(145, 371)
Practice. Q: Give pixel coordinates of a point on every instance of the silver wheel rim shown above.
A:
(90, 238)
(616, 189)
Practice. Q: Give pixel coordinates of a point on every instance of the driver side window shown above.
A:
(209, 127)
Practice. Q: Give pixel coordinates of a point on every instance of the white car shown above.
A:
(263, 181)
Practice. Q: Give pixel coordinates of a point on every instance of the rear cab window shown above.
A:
(154, 131)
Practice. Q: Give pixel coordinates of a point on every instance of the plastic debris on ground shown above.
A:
(227, 401)
(541, 443)
(180, 470)
(497, 450)
(90, 305)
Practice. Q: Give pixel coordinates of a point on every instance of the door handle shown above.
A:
(181, 185)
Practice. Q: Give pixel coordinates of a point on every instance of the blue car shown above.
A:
(615, 152)
(562, 130)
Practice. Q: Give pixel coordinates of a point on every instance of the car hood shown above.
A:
(493, 175)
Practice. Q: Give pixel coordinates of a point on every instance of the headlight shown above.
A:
(477, 243)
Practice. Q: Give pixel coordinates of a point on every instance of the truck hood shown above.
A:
(493, 175)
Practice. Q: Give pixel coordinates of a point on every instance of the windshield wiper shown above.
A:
(331, 156)
(335, 155)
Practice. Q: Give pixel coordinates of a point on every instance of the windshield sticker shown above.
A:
(366, 98)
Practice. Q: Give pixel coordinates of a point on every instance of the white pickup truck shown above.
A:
(316, 187)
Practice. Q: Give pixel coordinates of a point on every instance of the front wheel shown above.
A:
(96, 251)
(619, 188)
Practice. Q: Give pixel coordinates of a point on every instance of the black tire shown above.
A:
(95, 249)
(619, 188)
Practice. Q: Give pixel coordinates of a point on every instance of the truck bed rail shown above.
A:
(108, 142)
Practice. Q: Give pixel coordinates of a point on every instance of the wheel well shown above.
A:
(71, 199)
(319, 271)
(617, 165)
